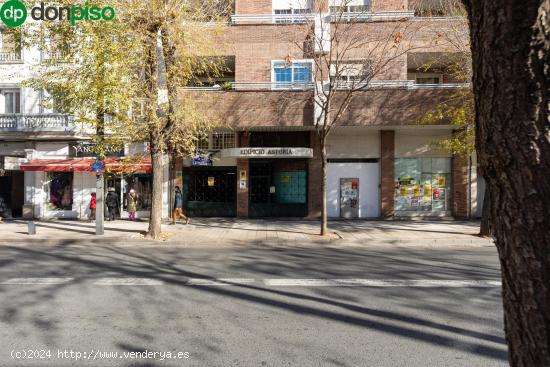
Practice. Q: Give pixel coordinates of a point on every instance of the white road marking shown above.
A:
(128, 281)
(220, 281)
(426, 283)
(39, 281)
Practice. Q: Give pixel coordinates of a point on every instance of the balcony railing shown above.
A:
(397, 84)
(250, 86)
(7, 57)
(37, 123)
(271, 18)
(371, 16)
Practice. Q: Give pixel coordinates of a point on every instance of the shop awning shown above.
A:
(84, 165)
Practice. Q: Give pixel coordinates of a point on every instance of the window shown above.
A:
(351, 8)
(422, 184)
(59, 188)
(12, 101)
(285, 74)
(51, 102)
(286, 15)
(352, 72)
(217, 141)
(223, 141)
(428, 80)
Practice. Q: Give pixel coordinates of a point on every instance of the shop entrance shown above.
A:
(278, 188)
(12, 190)
(210, 191)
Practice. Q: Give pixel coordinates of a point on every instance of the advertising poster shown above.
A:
(436, 194)
(211, 181)
(428, 190)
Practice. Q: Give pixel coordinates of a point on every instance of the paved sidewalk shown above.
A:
(222, 232)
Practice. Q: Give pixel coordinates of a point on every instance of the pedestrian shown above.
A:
(3, 208)
(132, 205)
(93, 205)
(178, 207)
(112, 202)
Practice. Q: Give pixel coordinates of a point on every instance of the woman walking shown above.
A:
(132, 205)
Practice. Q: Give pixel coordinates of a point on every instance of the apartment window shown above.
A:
(51, 102)
(351, 8)
(352, 72)
(285, 73)
(289, 15)
(428, 79)
(12, 101)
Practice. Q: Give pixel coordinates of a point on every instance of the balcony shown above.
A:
(37, 123)
(397, 84)
(253, 86)
(369, 16)
(9, 57)
(272, 18)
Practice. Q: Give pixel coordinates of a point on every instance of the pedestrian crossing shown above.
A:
(272, 283)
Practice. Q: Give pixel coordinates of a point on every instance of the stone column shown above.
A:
(30, 189)
(242, 172)
(387, 173)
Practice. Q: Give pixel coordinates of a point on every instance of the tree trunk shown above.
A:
(324, 215)
(485, 227)
(511, 64)
(156, 204)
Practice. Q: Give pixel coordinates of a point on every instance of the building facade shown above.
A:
(381, 162)
(45, 155)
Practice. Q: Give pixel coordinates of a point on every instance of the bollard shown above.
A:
(32, 228)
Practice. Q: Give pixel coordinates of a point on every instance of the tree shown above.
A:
(140, 58)
(511, 80)
(348, 54)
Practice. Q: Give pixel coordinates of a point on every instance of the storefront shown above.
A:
(423, 186)
(64, 186)
(273, 174)
(12, 188)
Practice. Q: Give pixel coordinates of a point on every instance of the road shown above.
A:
(254, 306)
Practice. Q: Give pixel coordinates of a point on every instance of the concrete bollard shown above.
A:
(32, 228)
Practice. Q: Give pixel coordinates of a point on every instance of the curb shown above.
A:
(117, 241)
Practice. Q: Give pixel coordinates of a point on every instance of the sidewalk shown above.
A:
(221, 232)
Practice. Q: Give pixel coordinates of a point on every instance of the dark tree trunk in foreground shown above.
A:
(511, 63)
(485, 228)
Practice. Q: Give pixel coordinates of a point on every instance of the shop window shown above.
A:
(59, 188)
(143, 186)
(423, 184)
(212, 186)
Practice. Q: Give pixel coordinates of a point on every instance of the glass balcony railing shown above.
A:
(7, 57)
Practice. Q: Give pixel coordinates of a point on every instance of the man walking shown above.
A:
(178, 207)
(112, 203)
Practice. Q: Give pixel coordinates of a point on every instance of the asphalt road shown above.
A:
(261, 306)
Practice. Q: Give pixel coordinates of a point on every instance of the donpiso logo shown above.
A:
(14, 13)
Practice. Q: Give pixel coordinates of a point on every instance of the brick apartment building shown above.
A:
(382, 163)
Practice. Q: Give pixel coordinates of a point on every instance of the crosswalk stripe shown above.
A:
(128, 281)
(39, 281)
(427, 283)
(220, 281)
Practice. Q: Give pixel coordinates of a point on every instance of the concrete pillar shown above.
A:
(460, 192)
(30, 189)
(387, 173)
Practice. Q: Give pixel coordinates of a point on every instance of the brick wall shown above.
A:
(387, 173)
(241, 109)
(253, 6)
(314, 181)
(460, 188)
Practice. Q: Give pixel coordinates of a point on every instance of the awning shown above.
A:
(85, 165)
